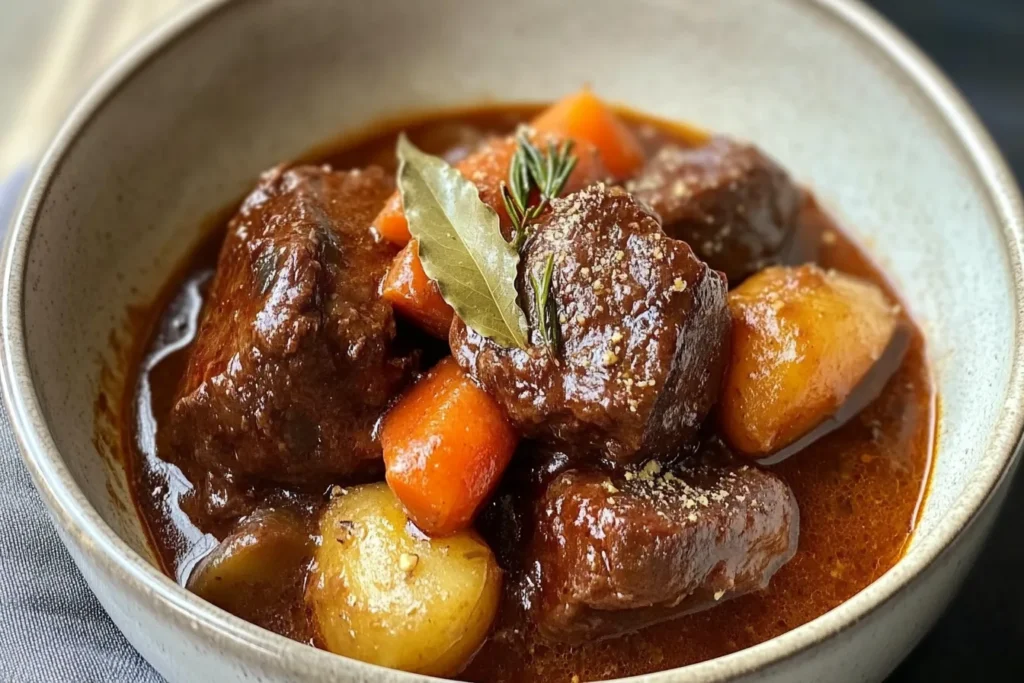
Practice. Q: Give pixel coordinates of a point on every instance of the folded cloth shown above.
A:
(51, 626)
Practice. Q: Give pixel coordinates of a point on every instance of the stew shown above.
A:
(573, 393)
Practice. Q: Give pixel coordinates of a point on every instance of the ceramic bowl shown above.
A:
(184, 121)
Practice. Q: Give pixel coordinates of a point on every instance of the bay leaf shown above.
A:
(461, 246)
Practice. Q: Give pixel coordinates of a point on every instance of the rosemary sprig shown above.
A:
(549, 171)
(530, 169)
(547, 313)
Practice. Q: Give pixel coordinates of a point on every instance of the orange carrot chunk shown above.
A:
(583, 117)
(414, 295)
(446, 443)
(390, 222)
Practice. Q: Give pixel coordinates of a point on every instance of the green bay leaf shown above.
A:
(461, 246)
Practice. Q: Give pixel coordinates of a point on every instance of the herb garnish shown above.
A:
(547, 314)
(532, 169)
(461, 246)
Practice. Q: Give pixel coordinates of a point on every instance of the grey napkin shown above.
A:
(51, 626)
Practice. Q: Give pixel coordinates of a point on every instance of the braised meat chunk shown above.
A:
(644, 331)
(615, 553)
(294, 359)
(732, 204)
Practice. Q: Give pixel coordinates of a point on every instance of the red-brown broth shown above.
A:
(859, 488)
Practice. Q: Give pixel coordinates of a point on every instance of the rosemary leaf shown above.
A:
(519, 176)
(547, 314)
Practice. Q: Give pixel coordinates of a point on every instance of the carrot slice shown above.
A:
(446, 443)
(414, 295)
(583, 117)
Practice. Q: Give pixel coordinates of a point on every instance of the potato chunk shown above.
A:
(382, 593)
(802, 340)
(258, 567)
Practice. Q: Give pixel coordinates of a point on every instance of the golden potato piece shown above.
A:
(249, 571)
(382, 593)
(802, 340)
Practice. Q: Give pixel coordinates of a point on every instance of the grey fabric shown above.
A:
(51, 626)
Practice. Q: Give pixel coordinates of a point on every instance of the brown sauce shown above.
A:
(859, 488)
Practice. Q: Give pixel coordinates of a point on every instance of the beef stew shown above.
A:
(590, 502)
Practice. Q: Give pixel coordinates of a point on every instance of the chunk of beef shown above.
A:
(644, 334)
(614, 553)
(732, 204)
(294, 360)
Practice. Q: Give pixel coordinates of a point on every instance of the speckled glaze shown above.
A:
(182, 123)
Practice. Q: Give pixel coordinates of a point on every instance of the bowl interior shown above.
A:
(257, 82)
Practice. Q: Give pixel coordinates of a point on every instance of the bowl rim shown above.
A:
(91, 535)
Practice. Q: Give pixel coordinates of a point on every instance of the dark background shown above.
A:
(980, 45)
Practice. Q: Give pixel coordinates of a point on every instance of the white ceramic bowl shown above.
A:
(184, 121)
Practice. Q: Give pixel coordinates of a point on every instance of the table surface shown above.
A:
(50, 48)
